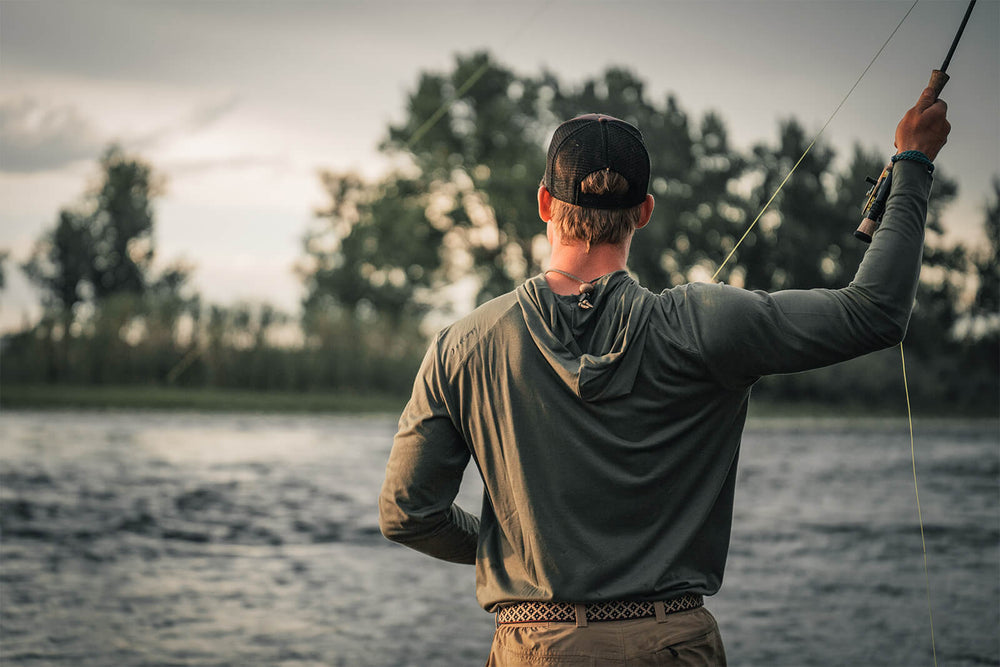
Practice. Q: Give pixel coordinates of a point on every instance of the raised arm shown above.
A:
(744, 335)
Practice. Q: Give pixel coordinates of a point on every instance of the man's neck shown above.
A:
(574, 258)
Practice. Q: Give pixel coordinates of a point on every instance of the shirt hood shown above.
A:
(596, 351)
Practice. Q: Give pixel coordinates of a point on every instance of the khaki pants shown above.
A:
(685, 638)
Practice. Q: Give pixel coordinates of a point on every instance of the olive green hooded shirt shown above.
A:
(608, 439)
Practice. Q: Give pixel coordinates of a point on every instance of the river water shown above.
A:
(147, 538)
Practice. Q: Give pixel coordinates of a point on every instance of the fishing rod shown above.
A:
(874, 209)
(878, 195)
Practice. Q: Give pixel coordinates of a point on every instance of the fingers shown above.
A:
(937, 112)
(927, 98)
(924, 127)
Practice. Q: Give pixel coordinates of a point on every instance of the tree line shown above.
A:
(381, 261)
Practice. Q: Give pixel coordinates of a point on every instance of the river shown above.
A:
(177, 538)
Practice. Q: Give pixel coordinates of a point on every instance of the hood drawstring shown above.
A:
(585, 289)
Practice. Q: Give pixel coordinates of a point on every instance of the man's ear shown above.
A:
(544, 204)
(646, 212)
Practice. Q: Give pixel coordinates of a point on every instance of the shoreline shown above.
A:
(153, 397)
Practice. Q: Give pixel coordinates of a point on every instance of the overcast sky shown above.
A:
(240, 104)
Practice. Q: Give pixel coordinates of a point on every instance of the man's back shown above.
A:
(591, 458)
(606, 423)
(607, 437)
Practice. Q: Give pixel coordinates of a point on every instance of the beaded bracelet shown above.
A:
(915, 156)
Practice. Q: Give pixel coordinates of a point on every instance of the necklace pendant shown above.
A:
(585, 291)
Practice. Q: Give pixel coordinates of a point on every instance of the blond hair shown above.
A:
(596, 225)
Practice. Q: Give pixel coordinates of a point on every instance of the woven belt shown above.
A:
(565, 612)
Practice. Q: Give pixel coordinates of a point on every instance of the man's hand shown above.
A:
(925, 127)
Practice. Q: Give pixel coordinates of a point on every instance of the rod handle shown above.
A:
(938, 80)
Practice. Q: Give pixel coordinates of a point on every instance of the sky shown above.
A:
(239, 105)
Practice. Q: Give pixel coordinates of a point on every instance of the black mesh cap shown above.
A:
(591, 143)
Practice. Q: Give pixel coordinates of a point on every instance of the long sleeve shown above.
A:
(743, 335)
(424, 472)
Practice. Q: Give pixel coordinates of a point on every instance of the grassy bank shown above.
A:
(174, 398)
(232, 400)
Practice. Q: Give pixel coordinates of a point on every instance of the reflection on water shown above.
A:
(179, 538)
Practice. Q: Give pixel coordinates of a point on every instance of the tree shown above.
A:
(104, 246)
(122, 225)
(476, 140)
(61, 262)
(987, 260)
(95, 271)
(490, 137)
(461, 208)
(373, 251)
(974, 368)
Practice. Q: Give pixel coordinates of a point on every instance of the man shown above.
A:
(606, 420)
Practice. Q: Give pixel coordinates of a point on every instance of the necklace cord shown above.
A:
(585, 289)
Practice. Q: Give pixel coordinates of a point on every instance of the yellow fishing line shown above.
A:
(443, 109)
(476, 75)
(469, 82)
(916, 492)
(780, 185)
(906, 389)
(815, 139)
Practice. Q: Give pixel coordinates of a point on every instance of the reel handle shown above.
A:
(875, 205)
(865, 230)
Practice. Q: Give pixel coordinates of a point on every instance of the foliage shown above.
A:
(979, 353)
(473, 141)
(146, 396)
(374, 252)
(105, 246)
(987, 260)
(481, 157)
(492, 138)
(456, 221)
(95, 272)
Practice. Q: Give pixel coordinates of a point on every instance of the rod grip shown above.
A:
(938, 80)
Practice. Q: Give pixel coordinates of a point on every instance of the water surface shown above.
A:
(145, 538)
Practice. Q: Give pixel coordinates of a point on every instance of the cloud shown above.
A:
(38, 137)
(208, 114)
(196, 120)
(201, 166)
